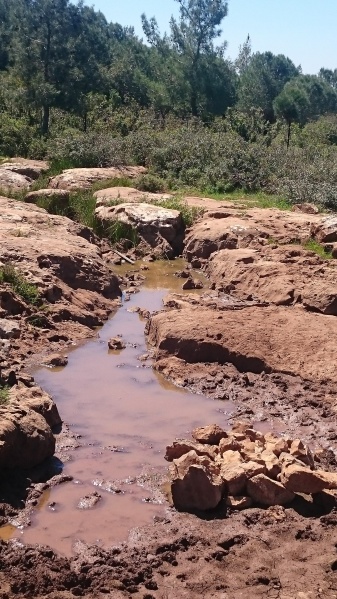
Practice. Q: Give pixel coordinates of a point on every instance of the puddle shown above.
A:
(126, 414)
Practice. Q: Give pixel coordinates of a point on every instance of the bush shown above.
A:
(150, 183)
(28, 291)
(16, 136)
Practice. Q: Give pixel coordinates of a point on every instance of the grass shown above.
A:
(246, 199)
(313, 246)
(189, 213)
(28, 291)
(4, 395)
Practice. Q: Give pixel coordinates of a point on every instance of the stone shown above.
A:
(196, 484)
(302, 452)
(253, 469)
(25, 437)
(276, 445)
(179, 448)
(116, 343)
(59, 194)
(9, 329)
(155, 225)
(228, 444)
(211, 434)
(325, 231)
(83, 178)
(301, 479)
(56, 361)
(271, 461)
(127, 194)
(32, 169)
(192, 284)
(89, 501)
(234, 477)
(239, 502)
(34, 398)
(306, 207)
(265, 491)
(12, 181)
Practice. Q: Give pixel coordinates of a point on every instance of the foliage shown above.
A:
(4, 395)
(189, 213)
(313, 246)
(28, 291)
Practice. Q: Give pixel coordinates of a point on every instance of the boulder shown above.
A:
(192, 284)
(211, 434)
(9, 329)
(84, 178)
(34, 398)
(25, 438)
(300, 479)
(32, 169)
(306, 208)
(234, 477)
(11, 181)
(196, 484)
(126, 195)
(301, 452)
(228, 444)
(152, 224)
(181, 447)
(56, 361)
(33, 197)
(265, 491)
(116, 343)
(325, 231)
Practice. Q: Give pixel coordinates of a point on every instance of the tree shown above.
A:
(305, 98)
(262, 80)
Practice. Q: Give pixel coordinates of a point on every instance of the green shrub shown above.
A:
(150, 183)
(28, 291)
(15, 136)
(4, 395)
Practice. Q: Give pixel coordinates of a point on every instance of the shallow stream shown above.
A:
(126, 414)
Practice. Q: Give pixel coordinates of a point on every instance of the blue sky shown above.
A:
(304, 30)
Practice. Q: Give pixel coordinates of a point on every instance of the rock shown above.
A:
(127, 195)
(325, 231)
(56, 361)
(84, 178)
(34, 398)
(196, 484)
(179, 448)
(306, 207)
(89, 501)
(284, 275)
(275, 445)
(334, 251)
(228, 444)
(265, 491)
(239, 502)
(9, 329)
(32, 169)
(227, 229)
(154, 225)
(300, 479)
(302, 452)
(234, 477)
(211, 434)
(204, 335)
(25, 438)
(192, 284)
(272, 464)
(116, 343)
(12, 181)
(61, 195)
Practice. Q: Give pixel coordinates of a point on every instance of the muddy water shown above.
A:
(126, 414)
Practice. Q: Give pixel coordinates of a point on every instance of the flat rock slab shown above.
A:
(127, 195)
(23, 166)
(84, 178)
(11, 181)
(283, 275)
(33, 197)
(269, 339)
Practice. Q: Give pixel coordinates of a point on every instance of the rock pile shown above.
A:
(244, 467)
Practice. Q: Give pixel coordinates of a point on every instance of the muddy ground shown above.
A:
(281, 553)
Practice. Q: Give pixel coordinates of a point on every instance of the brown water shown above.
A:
(126, 414)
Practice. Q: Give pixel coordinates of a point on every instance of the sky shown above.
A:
(303, 30)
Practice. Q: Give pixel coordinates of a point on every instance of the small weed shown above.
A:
(115, 182)
(118, 231)
(28, 291)
(313, 246)
(4, 395)
(189, 213)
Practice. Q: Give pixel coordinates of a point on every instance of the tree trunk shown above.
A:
(288, 136)
(45, 119)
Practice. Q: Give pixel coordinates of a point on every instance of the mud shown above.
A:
(117, 453)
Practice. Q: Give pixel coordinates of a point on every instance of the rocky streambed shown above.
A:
(256, 344)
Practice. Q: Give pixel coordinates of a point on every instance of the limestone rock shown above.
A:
(300, 479)
(239, 502)
(24, 166)
(59, 194)
(84, 178)
(127, 194)
(9, 329)
(56, 361)
(12, 181)
(181, 447)
(37, 400)
(116, 343)
(325, 231)
(25, 438)
(265, 491)
(211, 434)
(196, 484)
